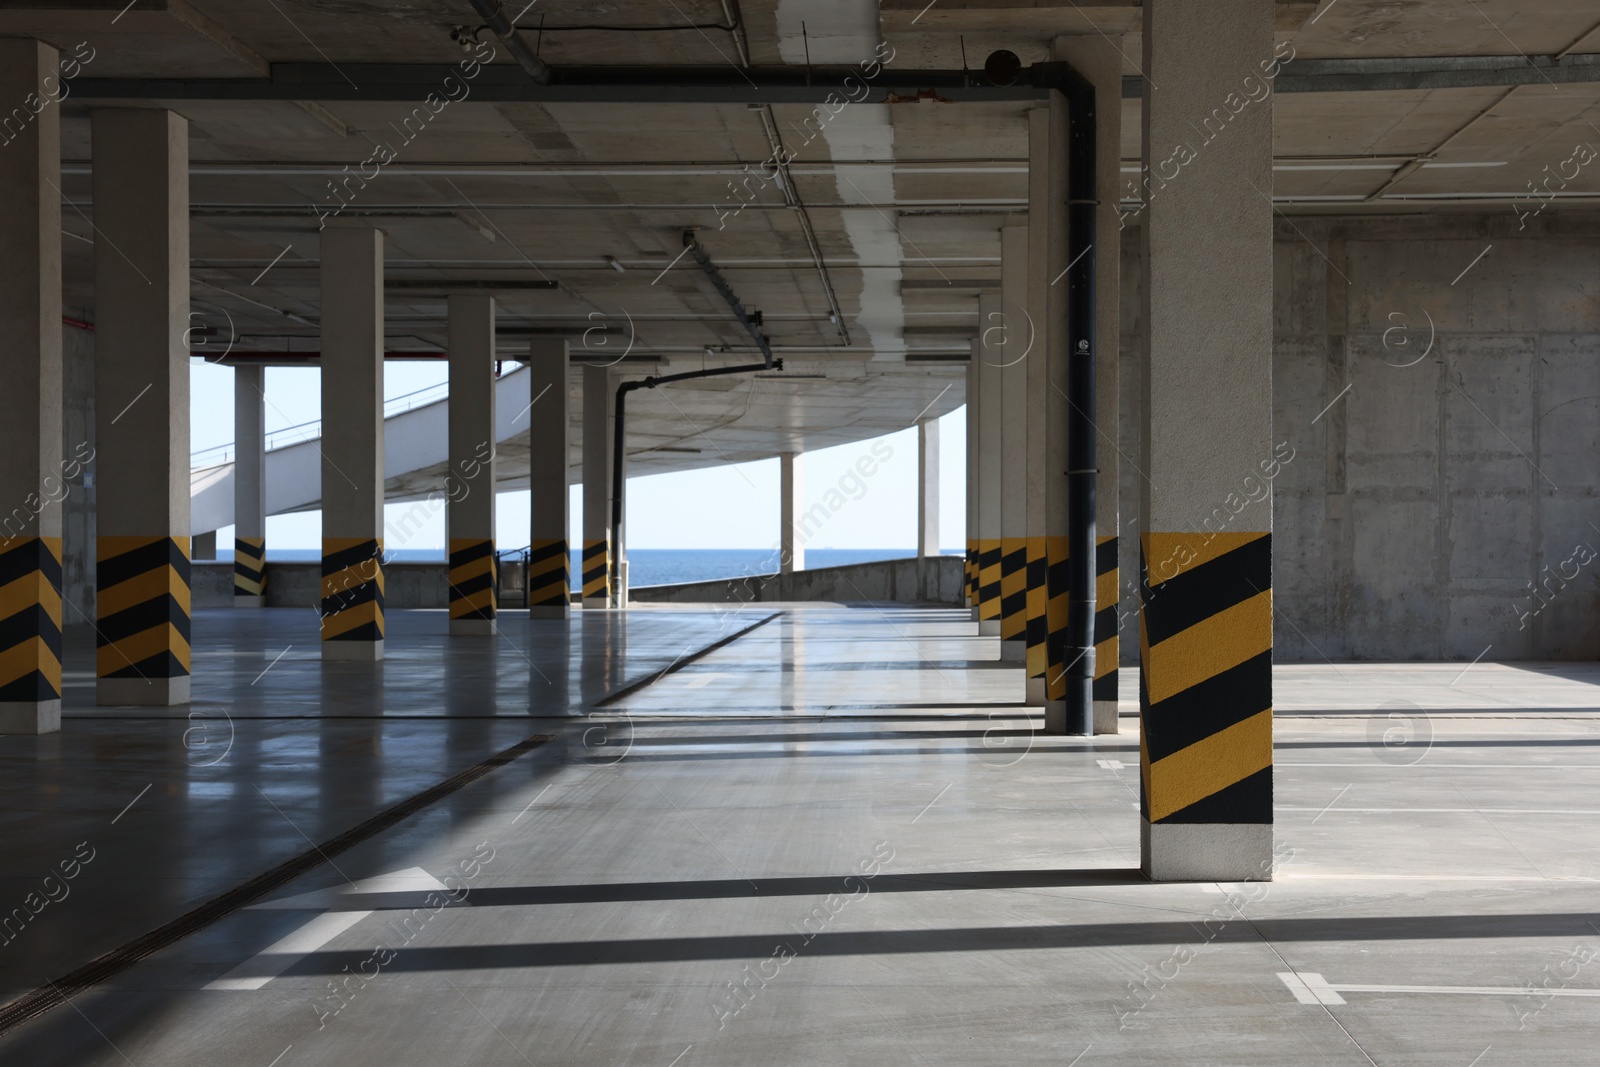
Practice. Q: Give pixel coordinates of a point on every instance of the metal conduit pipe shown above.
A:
(496, 20)
(1082, 461)
(619, 420)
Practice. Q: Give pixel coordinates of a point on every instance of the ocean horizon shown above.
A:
(658, 566)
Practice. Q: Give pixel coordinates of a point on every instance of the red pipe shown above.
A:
(79, 323)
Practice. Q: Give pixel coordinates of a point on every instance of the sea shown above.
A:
(662, 566)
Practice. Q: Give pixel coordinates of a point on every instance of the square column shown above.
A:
(988, 353)
(33, 477)
(249, 486)
(927, 488)
(1206, 619)
(791, 488)
(549, 575)
(599, 409)
(469, 485)
(352, 443)
(1102, 66)
(141, 295)
(1018, 336)
(969, 574)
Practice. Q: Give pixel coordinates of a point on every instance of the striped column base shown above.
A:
(549, 579)
(1057, 579)
(352, 598)
(969, 579)
(1036, 658)
(1013, 599)
(30, 635)
(142, 621)
(1205, 702)
(596, 573)
(473, 590)
(1107, 646)
(249, 571)
(989, 587)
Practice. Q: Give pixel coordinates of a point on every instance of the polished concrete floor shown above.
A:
(834, 839)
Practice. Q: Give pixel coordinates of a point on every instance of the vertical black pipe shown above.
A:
(1082, 463)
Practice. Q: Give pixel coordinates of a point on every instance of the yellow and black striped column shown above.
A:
(549, 575)
(473, 589)
(599, 413)
(1017, 329)
(1013, 593)
(1036, 626)
(596, 573)
(1205, 692)
(549, 578)
(1206, 552)
(1057, 582)
(249, 569)
(352, 598)
(1107, 646)
(34, 468)
(142, 486)
(30, 635)
(142, 620)
(988, 350)
(969, 576)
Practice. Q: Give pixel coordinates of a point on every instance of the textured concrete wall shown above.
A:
(299, 585)
(1441, 507)
(934, 580)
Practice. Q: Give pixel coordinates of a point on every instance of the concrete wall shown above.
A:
(936, 580)
(1459, 469)
(299, 585)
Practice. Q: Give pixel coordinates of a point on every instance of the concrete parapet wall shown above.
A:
(299, 585)
(935, 580)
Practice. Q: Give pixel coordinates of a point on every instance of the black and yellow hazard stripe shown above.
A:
(1037, 628)
(473, 589)
(30, 620)
(1013, 588)
(352, 589)
(142, 607)
(1106, 645)
(988, 578)
(249, 566)
(1205, 690)
(1058, 576)
(596, 567)
(969, 574)
(549, 574)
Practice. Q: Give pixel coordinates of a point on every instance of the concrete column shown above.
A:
(1206, 655)
(141, 293)
(1018, 338)
(1101, 63)
(352, 443)
(988, 351)
(469, 486)
(33, 477)
(791, 491)
(1048, 411)
(599, 406)
(927, 488)
(549, 406)
(204, 546)
(249, 486)
(970, 473)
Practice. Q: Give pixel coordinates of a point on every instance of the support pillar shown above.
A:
(969, 573)
(352, 443)
(1048, 412)
(32, 478)
(469, 486)
(249, 486)
(141, 289)
(927, 488)
(599, 408)
(1206, 622)
(988, 352)
(1102, 66)
(1019, 335)
(549, 557)
(791, 490)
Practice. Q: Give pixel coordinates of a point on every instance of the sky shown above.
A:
(729, 506)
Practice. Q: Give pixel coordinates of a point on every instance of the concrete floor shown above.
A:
(669, 880)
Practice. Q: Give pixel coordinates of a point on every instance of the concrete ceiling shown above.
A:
(901, 205)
